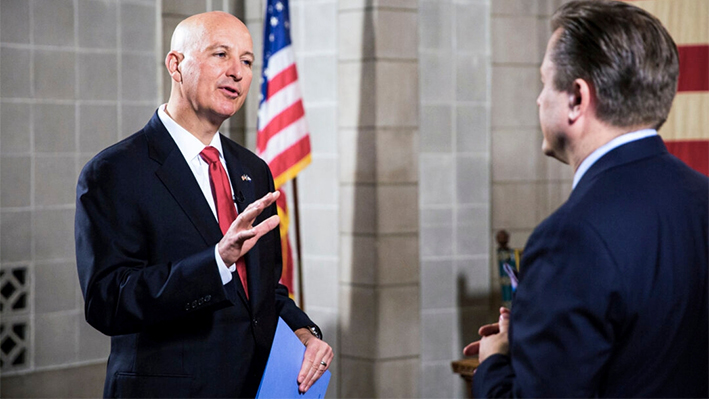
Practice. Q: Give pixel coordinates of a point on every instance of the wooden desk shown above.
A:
(466, 367)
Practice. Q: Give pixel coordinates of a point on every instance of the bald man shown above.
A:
(189, 295)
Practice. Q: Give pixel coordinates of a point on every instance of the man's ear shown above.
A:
(172, 63)
(579, 99)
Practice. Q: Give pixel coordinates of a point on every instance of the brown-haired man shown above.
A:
(187, 290)
(612, 295)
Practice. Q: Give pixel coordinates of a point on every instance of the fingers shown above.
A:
(255, 232)
(494, 338)
(472, 349)
(248, 215)
(319, 369)
(264, 202)
(245, 235)
(242, 236)
(504, 321)
(489, 329)
(246, 218)
(309, 374)
(316, 353)
(485, 347)
(266, 226)
(494, 328)
(492, 344)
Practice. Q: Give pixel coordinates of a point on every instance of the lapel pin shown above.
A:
(245, 178)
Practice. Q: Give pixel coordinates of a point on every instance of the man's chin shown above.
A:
(553, 154)
(229, 111)
(547, 150)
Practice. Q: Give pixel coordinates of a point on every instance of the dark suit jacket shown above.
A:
(145, 239)
(612, 298)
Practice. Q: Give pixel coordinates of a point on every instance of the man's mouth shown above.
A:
(230, 91)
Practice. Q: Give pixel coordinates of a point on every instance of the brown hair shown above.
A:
(624, 53)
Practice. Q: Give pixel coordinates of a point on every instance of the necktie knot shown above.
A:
(210, 155)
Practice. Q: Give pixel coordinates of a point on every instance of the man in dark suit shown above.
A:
(612, 294)
(189, 296)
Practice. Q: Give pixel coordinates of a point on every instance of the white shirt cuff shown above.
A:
(224, 271)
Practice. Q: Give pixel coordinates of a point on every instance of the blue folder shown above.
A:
(280, 379)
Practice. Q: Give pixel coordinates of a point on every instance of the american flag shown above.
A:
(283, 140)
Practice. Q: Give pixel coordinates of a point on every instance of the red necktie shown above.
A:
(226, 211)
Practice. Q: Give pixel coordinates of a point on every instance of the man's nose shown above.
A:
(235, 70)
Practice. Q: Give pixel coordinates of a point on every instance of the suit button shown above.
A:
(255, 321)
(187, 307)
(194, 304)
(200, 301)
(207, 298)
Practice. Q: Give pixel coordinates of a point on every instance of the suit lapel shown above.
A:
(178, 178)
(243, 187)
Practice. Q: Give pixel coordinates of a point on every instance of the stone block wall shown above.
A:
(75, 77)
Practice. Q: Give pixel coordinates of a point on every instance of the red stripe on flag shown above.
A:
(283, 79)
(280, 122)
(694, 153)
(693, 68)
(291, 156)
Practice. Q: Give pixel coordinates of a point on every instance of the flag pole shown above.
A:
(301, 295)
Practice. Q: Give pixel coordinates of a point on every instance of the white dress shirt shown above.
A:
(190, 147)
(604, 149)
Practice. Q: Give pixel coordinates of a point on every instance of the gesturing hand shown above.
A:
(242, 235)
(494, 338)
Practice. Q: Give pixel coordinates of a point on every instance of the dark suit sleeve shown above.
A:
(494, 378)
(124, 291)
(564, 317)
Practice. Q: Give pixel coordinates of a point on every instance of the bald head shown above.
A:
(192, 32)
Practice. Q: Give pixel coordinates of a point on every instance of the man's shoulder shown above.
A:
(627, 202)
(125, 150)
(629, 190)
(128, 154)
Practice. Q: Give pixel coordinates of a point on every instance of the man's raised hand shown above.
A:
(242, 234)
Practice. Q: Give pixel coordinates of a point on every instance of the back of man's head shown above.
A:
(626, 55)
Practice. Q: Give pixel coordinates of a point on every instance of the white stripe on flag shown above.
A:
(278, 103)
(284, 139)
(279, 61)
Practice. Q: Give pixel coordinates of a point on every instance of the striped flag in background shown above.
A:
(283, 140)
(686, 131)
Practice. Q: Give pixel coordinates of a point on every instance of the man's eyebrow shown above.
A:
(216, 46)
(227, 47)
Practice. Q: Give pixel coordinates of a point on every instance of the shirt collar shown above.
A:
(604, 149)
(189, 145)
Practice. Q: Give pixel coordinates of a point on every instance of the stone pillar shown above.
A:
(378, 178)
(454, 161)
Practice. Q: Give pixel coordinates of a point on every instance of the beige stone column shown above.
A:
(378, 174)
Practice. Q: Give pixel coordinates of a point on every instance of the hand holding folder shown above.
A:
(280, 379)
